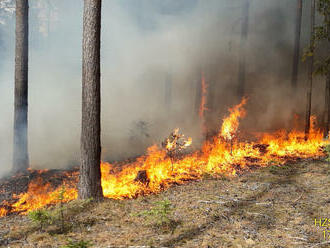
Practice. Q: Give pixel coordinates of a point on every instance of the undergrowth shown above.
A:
(77, 244)
(161, 216)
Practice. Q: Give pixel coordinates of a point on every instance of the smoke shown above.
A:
(149, 47)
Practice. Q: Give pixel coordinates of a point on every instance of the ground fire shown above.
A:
(161, 167)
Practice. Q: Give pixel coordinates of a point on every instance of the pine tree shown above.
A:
(20, 151)
(90, 173)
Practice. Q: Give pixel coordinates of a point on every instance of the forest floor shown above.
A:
(268, 207)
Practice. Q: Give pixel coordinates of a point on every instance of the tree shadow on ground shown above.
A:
(284, 177)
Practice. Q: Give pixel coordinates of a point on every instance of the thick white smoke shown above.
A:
(145, 44)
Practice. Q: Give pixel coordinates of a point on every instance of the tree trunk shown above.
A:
(326, 115)
(296, 55)
(327, 106)
(242, 63)
(90, 147)
(20, 151)
(198, 94)
(311, 69)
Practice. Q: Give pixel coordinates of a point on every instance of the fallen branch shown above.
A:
(298, 198)
(266, 204)
(298, 238)
(210, 202)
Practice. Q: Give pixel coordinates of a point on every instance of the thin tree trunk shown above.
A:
(327, 107)
(90, 174)
(311, 69)
(296, 53)
(20, 151)
(326, 115)
(198, 94)
(242, 61)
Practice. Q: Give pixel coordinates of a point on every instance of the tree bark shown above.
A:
(242, 60)
(90, 147)
(311, 69)
(327, 106)
(296, 52)
(20, 149)
(198, 93)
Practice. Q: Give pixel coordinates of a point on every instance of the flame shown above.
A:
(162, 171)
(3, 211)
(230, 123)
(176, 141)
(40, 195)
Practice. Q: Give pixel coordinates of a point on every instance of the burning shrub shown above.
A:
(175, 144)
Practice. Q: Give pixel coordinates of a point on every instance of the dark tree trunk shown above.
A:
(20, 151)
(90, 147)
(242, 60)
(296, 51)
(327, 107)
(311, 69)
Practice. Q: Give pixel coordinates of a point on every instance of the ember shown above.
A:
(157, 170)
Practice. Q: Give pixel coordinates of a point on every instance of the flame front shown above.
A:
(162, 171)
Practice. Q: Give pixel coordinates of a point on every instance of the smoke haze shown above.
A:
(148, 45)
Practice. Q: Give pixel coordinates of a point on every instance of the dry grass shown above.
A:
(269, 207)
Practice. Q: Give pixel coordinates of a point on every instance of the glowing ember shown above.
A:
(215, 158)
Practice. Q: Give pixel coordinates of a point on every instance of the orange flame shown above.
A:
(230, 123)
(162, 171)
(177, 141)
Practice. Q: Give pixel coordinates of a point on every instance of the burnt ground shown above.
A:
(268, 207)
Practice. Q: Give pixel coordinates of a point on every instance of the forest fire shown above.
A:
(162, 168)
(230, 124)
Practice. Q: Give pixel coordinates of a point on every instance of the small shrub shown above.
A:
(160, 212)
(41, 217)
(160, 216)
(77, 244)
(327, 149)
(274, 169)
(61, 210)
